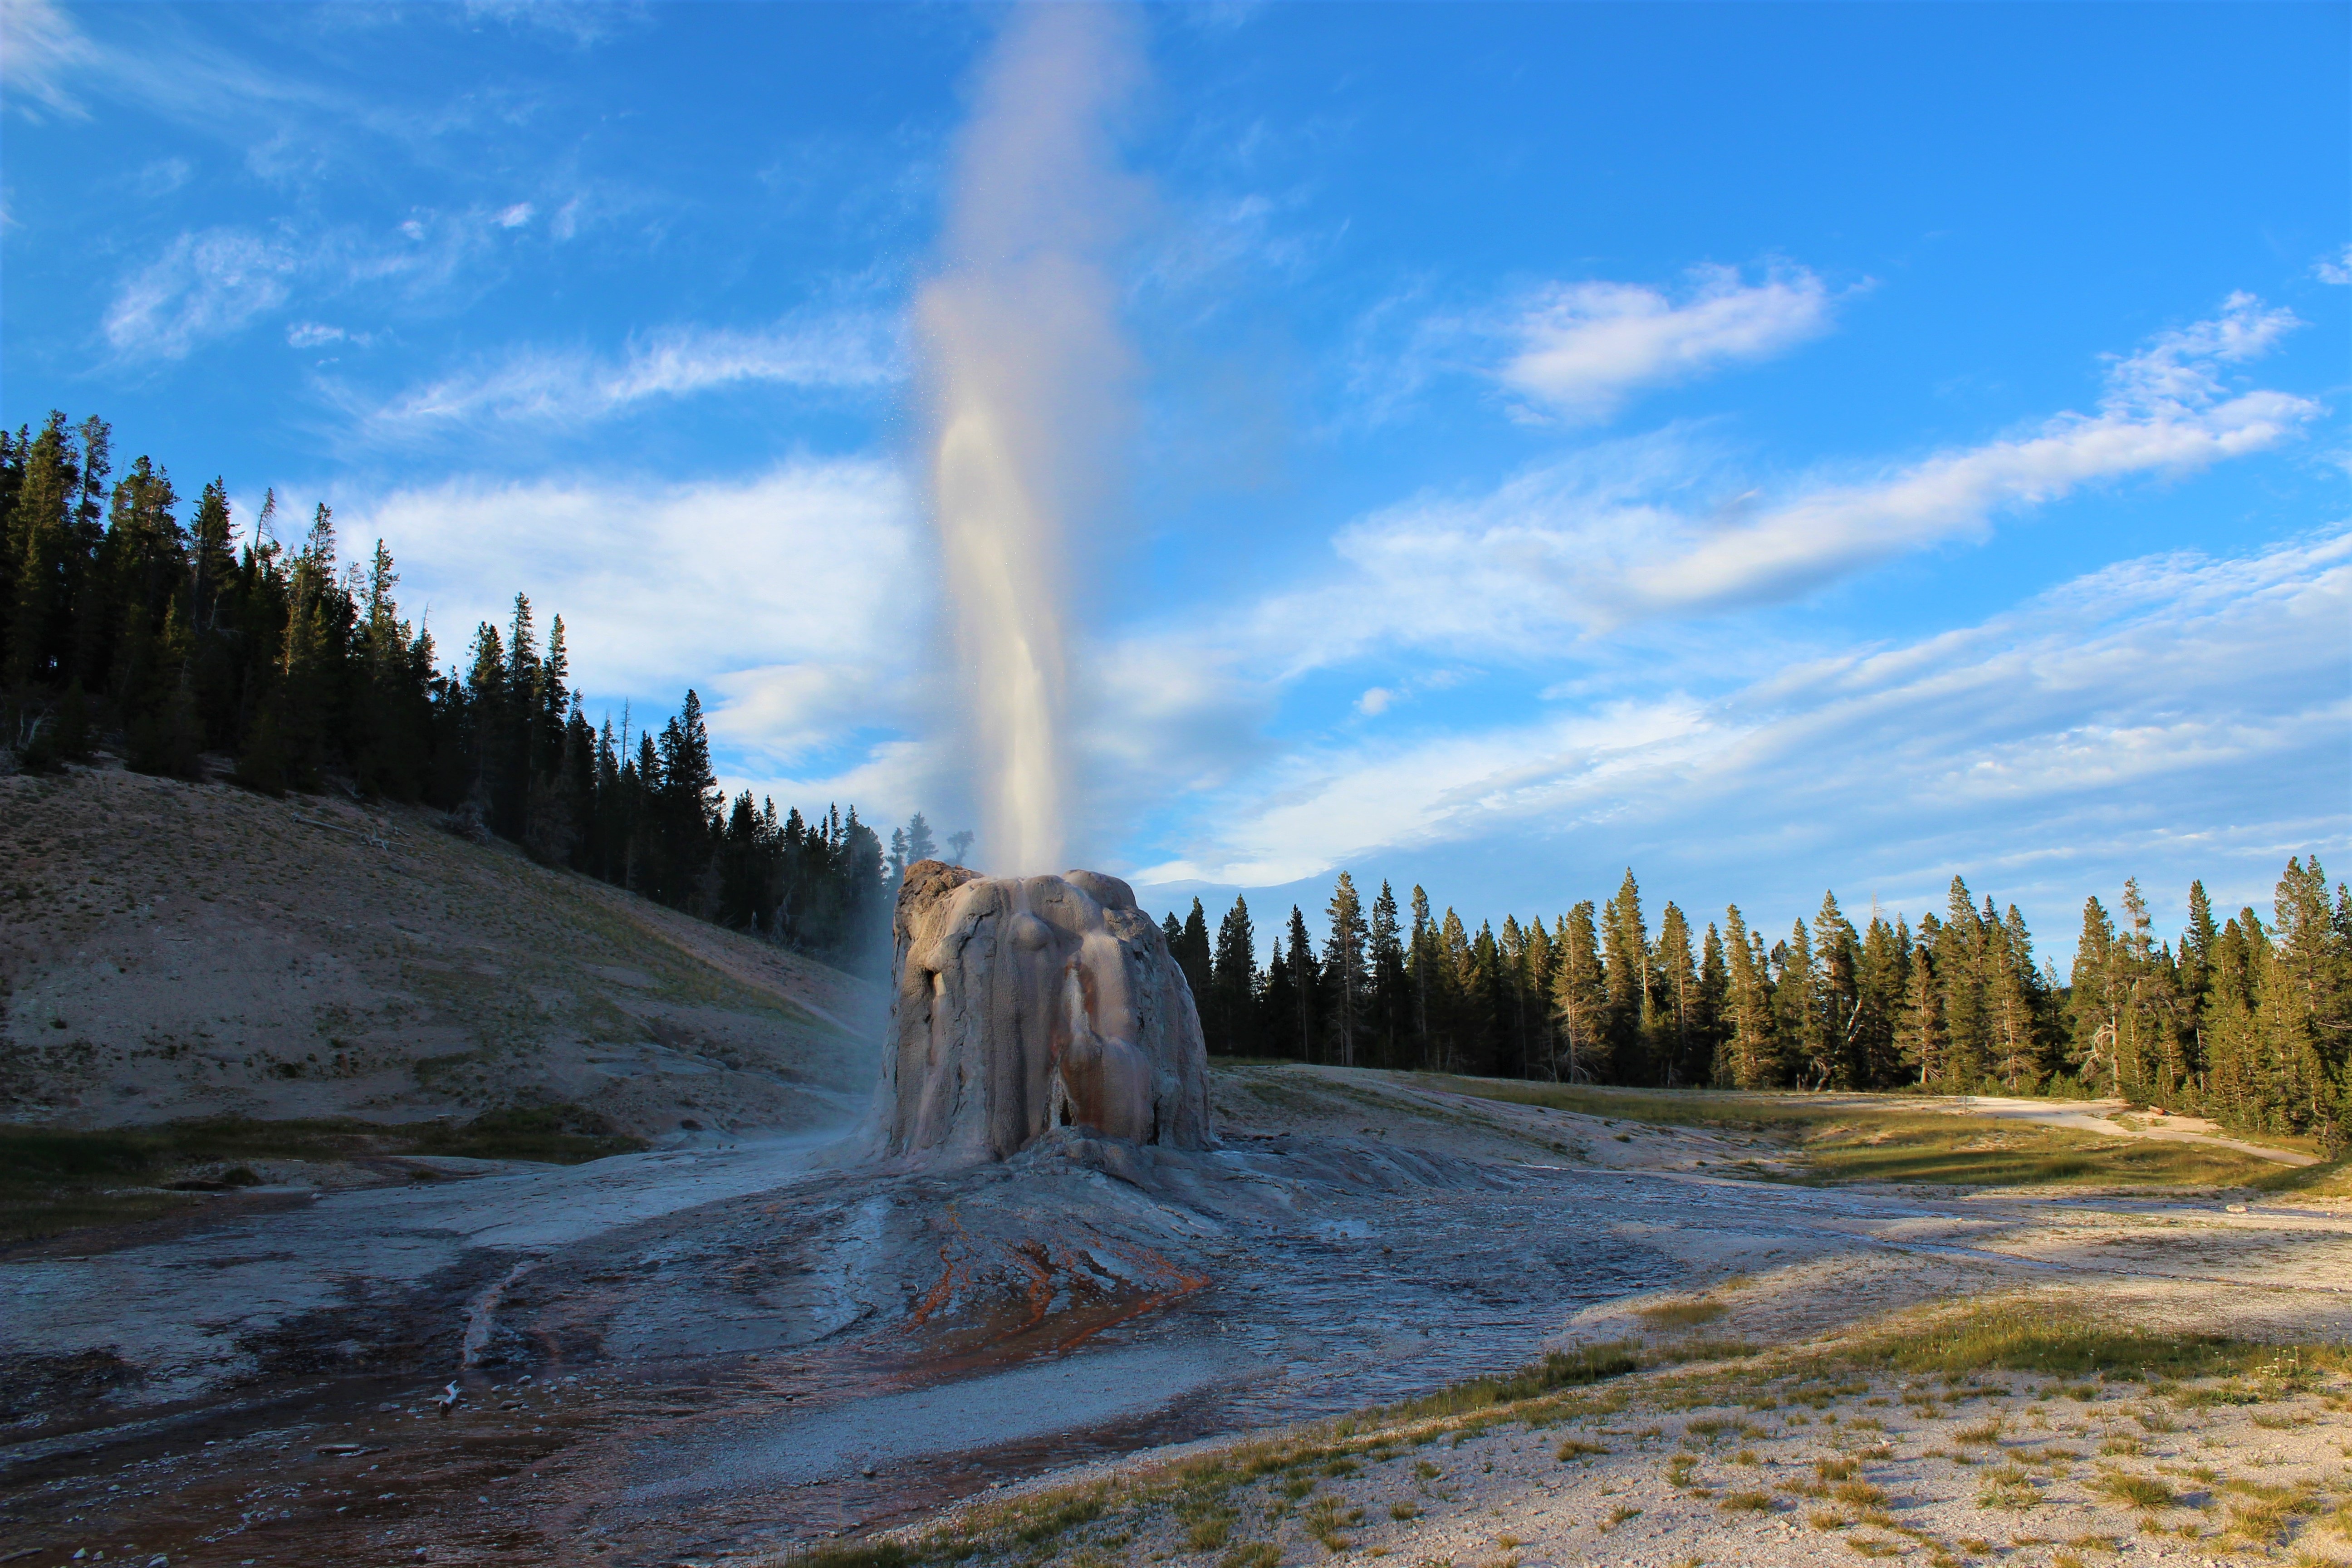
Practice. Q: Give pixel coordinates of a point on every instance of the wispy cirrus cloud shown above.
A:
(848, 351)
(1660, 526)
(2167, 410)
(205, 285)
(208, 284)
(2110, 708)
(40, 48)
(1583, 349)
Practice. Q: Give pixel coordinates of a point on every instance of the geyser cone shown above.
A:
(1031, 1003)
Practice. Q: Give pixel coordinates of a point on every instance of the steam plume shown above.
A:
(1027, 373)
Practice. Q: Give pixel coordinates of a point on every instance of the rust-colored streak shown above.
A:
(950, 1272)
(1178, 1285)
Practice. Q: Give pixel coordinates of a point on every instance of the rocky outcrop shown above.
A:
(1026, 1004)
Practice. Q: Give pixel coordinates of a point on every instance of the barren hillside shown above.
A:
(172, 949)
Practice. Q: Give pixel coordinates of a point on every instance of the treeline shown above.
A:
(121, 623)
(2249, 1022)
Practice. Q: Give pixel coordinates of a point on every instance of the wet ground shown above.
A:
(729, 1347)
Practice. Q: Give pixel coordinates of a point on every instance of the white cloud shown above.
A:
(1584, 348)
(2166, 410)
(1375, 702)
(1632, 531)
(39, 48)
(817, 564)
(205, 285)
(211, 283)
(797, 603)
(312, 335)
(516, 215)
(2336, 269)
(2115, 708)
(845, 352)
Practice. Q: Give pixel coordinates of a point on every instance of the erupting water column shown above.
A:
(1027, 375)
(1026, 1002)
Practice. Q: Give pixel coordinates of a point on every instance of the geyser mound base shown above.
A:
(1027, 1003)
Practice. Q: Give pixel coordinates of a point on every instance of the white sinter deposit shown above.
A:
(1029, 1003)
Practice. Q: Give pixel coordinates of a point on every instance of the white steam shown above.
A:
(1028, 374)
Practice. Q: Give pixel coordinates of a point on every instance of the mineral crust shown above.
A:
(1028, 1003)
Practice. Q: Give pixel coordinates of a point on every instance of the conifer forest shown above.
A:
(124, 624)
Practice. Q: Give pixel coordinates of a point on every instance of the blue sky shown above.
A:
(1773, 447)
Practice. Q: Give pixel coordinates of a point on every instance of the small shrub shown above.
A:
(1750, 1501)
(2009, 1487)
(2135, 1491)
(1575, 1448)
(1208, 1534)
(1618, 1516)
(1404, 1511)
(1255, 1555)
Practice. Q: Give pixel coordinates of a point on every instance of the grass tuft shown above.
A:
(1680, 1314)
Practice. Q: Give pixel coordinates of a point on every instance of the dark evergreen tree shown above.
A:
(1346, 975)
(1392, 1025)
(1193, 955)
(1233, 1016)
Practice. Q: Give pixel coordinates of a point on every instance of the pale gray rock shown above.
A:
(1028, 1003)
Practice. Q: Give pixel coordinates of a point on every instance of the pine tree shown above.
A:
(1347, 980)
(1387, 958)
(1190, 950)
(1625, 965)
(1580, 999)
(1749, 1058)
(1421, 955)
(1278, 1007)
(1960, 967)
(1710, 1027)
(1677, 973)
(1882, 977)
(1919, 1037)
(1306, 983)
(1233, 984)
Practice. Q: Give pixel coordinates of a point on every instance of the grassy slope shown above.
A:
(168, 950)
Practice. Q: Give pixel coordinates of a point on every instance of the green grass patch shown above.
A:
(1578, 1368)
(2059, 1339)
(1849, 1139)
(2328, 1179)
(1680, 1314)
(1960, 1151)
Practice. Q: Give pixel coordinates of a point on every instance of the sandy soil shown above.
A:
(1686, 1468)
(169, 949)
